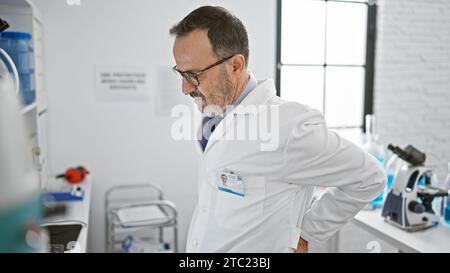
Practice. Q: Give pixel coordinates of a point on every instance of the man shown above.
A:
(269, 208)
(224, 180)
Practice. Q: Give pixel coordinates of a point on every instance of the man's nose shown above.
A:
(188, 87)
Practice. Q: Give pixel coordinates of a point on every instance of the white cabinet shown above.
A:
(23, 16)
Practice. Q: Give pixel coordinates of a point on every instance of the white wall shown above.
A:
(412, 81)
(126, 142)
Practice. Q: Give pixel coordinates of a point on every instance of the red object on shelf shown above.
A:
(75, 175)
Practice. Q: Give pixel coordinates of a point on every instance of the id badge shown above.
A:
(231, 183)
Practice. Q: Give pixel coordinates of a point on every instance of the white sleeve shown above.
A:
(316, 156)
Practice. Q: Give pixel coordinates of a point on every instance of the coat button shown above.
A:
(195, 242)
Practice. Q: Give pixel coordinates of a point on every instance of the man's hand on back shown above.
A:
(302, 246)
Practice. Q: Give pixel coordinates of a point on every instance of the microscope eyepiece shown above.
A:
(3, 25)
(409, 154)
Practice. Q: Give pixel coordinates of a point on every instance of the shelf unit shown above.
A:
(22, 15)
(29, 108)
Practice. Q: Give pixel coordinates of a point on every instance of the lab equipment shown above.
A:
(447, 199)
(74, 194)
(393, 166)
(20, 203)
(372, 146)
(133, 245)
(74, 175)
(410, 205)
(18, 45)
(3, 25)
(409, 154)
(134, 211)
(68, 190)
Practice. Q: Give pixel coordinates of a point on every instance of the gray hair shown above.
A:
(226, 32)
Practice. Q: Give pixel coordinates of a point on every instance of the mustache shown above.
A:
(196, 94)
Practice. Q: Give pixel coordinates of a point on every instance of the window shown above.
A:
(326, 56)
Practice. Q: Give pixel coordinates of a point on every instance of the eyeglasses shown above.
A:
(192, 77)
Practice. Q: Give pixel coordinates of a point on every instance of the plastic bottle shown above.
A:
(372, 146)
(447, 199)
(392, 168)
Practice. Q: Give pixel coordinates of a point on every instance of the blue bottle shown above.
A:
(447, 199)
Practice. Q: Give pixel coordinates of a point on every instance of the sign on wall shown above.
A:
(121, 83)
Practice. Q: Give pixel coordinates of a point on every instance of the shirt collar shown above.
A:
(248, 88)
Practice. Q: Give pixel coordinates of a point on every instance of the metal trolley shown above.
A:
(119, 199)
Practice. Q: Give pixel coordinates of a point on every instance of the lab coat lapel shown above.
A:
(259, 96)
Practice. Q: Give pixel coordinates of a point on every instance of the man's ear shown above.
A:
(238, 63)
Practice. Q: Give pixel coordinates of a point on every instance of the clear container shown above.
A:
(19, 46)
(374, 147)
(447, 210)
(447, 199)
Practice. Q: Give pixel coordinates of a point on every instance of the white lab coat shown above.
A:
(279, 184)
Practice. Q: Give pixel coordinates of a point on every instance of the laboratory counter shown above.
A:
(432, 240)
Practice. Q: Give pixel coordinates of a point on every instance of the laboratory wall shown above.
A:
(124, 140)
(412, 80)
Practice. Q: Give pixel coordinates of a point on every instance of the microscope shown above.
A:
(409, 204)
